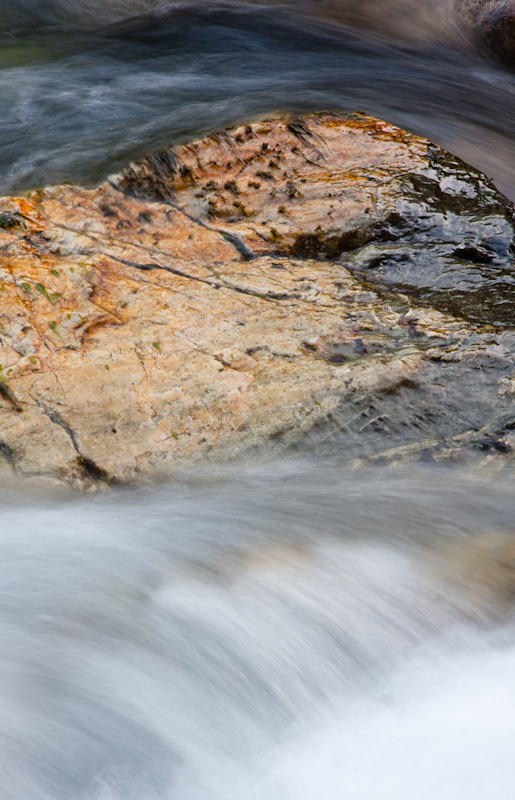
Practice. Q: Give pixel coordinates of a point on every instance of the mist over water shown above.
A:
(289, 632)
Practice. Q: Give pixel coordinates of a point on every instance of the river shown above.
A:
(283, 631)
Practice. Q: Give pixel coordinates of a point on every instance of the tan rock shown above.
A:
(480, 568)
(197, 306)
(307, 187)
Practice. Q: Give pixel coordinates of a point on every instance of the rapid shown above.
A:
(287, 630)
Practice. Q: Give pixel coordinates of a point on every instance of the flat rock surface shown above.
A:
(330, 282)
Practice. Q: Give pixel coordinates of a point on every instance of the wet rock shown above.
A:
(494, 22)
(387, 205)
(481, 570)
(330, 282)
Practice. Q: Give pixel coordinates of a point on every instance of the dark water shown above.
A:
(78, 102)
(293, 632)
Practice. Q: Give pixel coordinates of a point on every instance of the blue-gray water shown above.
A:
(77, 103)
(289, 632)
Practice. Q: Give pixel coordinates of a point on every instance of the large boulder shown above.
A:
(330, 280)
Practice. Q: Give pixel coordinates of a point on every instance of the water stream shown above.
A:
(290, 631)
(78, 103)
(283, 631)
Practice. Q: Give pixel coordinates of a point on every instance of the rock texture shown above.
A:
(330, 280)
(494, 22)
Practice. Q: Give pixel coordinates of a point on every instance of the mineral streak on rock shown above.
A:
(255, 289)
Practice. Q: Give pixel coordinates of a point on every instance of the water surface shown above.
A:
(79, 101)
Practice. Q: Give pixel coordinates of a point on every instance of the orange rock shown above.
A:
(195, 306)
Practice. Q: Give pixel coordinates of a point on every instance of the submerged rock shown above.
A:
(482, 568)
(329, 281)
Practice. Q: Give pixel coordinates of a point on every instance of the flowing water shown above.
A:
(287, 632)
(77, 103)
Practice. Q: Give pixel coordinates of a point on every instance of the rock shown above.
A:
(480, 568)
(325, 191)
(494, 22)
(329, 280)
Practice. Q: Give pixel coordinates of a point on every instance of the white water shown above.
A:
(285, 632)
(440, 734)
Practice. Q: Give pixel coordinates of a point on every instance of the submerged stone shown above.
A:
(331, 283)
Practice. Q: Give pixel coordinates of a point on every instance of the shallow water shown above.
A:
(291, 631)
